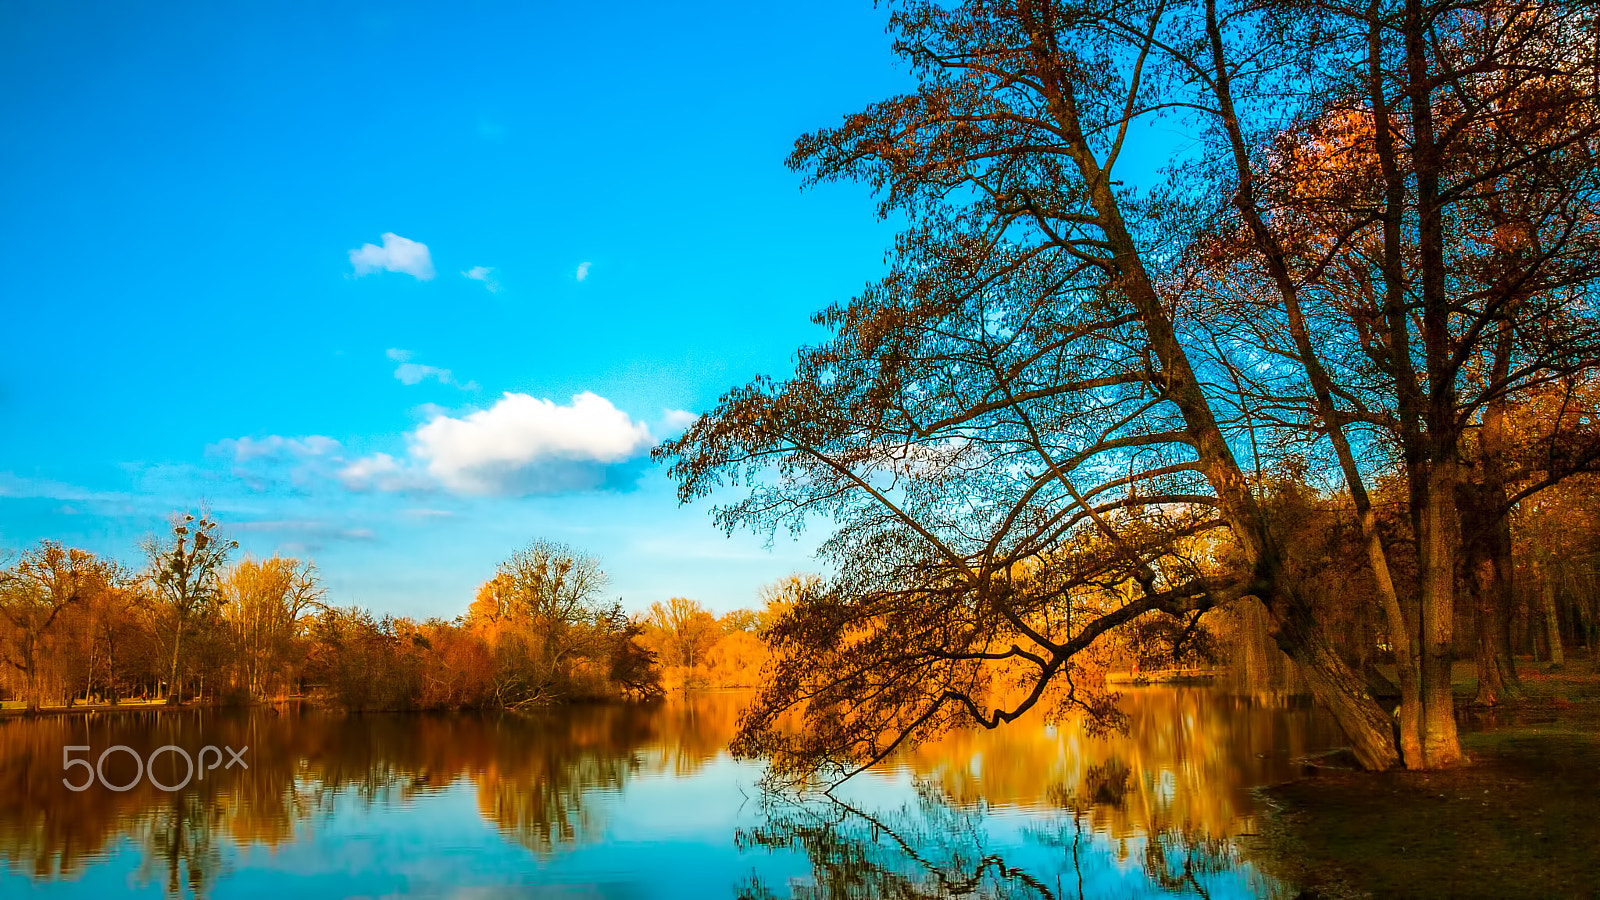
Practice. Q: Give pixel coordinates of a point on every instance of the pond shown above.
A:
(630, 802)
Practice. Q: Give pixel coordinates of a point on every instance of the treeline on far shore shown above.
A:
(198, 623)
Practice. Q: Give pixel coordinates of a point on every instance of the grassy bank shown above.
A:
(15, 708)
(1521, 821)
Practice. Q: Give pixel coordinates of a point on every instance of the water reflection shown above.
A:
(615, 799)
(1050, 813)
(934, 850)
(1187, 763)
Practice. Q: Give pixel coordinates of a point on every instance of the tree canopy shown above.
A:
(1378, 235)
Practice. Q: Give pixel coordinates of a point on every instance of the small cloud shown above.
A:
(262, 463)
(425, 411)
(416, 373)
(676, 420)
(382, 472)
(428, 514)
(397, 254)
(410, 373)
(583, 270)
(275, 446)
(97, 502)
(484, 274)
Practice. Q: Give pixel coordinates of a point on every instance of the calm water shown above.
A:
(637, 803)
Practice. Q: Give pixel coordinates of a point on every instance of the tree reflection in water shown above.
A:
(181, 841)
(1148, 812)
(936, 850)
(532, 776)
(1164, 800)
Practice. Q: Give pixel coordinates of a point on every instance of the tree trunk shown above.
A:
(1533, 641)
(1497, 673)
(1441, 747)
(112, 695)
(1584, 596)
(1552, 622)
(1401, 641)
(1486, 551)
(31, 674)
(1486, 531)
(172, 680)
(88, 682)
(1342, 690)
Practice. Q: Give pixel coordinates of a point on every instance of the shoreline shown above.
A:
(1517, 820)
(140, 706)
(305, 702)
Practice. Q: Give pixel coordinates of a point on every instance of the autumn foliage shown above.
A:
(195, 624)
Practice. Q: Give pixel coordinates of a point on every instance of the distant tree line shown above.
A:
(697, 649)
(195, 624)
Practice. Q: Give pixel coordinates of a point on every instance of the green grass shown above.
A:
(1523, 820)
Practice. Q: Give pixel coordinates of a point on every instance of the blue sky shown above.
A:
(580, 231)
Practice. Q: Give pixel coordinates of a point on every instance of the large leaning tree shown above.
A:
(1008, 483)
(1040, 406)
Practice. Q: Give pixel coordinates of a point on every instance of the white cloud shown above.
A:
(275, 446)
(274, 460)
(397, 254)
(410, 373)
(485, 452)
(484, 274)
(415, 373)
(521, 445)
(677, 419)
(382, 472)
(583, 270)
(12, 485)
